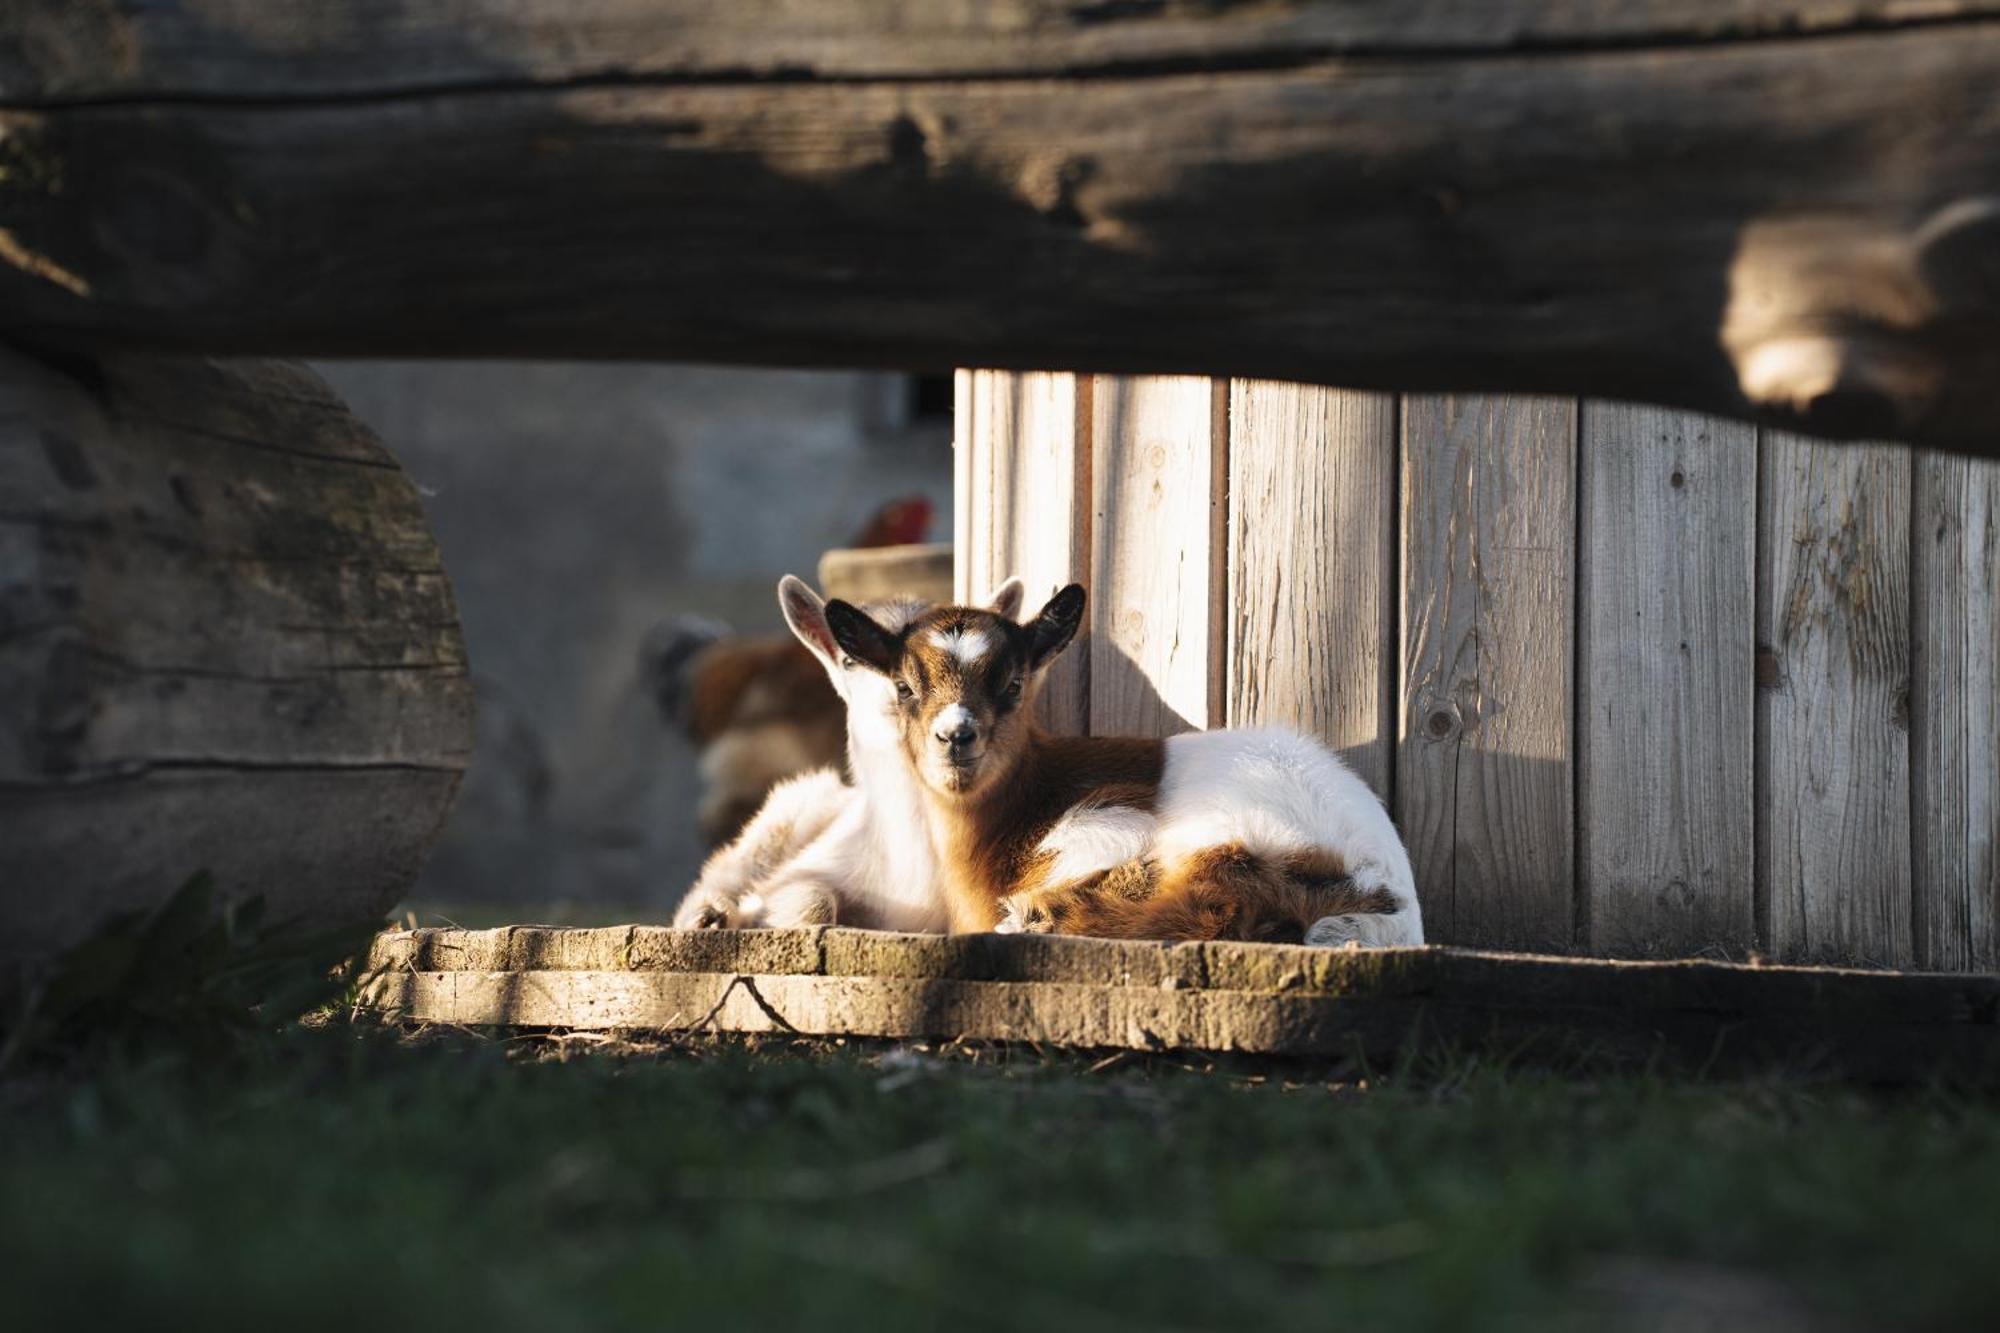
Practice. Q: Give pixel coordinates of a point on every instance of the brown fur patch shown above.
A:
(738, 687)
(1225, 892)
(738, 682)
(999, 834)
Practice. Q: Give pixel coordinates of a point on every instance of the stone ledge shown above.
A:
(1264, 999)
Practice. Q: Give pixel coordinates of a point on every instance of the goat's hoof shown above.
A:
(706, 914)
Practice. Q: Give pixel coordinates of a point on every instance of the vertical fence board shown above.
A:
(1955, 714)
(1483, 771)
(1833, 740)
(1024, 457)
(972, 501)
(1311, 606)
(1153, 660)
(1666, 698)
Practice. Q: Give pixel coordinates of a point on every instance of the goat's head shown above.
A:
(873, 712)
(961, 678)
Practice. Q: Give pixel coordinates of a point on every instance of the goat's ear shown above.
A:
(1055, 625)
(806, 614)
(1005, 600)
(861, 638)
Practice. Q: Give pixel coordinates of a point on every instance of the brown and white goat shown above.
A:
(1258, 834)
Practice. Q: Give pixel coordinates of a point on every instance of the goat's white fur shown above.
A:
(1273, 792)
(819, 849)
(951, 718)
(1089, 838)
(968, 646)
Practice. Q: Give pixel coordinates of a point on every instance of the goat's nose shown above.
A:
(958, 735)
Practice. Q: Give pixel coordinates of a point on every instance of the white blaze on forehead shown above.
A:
(967, 645)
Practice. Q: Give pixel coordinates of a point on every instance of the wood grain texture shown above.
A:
(1380, 196)
(1156, 487)
(1955, 712)
(1833, 719)
(1024, 479)
(1312, 569)
(226, 642)
(1666, 700)
(1484, 763)
(63, 50)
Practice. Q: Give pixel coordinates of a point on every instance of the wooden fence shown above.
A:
(1633, 681)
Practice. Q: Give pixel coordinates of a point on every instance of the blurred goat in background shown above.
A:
(757, 707)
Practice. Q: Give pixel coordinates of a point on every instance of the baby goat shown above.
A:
(821, 850)
(1251, 834)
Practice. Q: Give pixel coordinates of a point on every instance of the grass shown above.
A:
(345, 1176)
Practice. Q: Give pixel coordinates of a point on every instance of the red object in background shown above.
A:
(900, 522)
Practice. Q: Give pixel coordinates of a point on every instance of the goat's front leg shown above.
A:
(796, 812)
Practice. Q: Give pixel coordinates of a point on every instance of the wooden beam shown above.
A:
(1774, 209)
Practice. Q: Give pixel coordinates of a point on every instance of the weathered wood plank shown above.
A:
(1295, 212)
(226, 643)
(1666, 646)
(1833, 719)
(1024, 481)
(54, 50)
(1312, 568)
(1484, 761)
(1156, 483)
(1955, 712)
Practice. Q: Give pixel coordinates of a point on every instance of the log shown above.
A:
(226, 644)
(1777, 209)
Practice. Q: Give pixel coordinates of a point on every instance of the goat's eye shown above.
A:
(903, 690)
(846, 663)
(1014, 688)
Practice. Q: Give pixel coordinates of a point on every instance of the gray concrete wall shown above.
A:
(577, 507)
